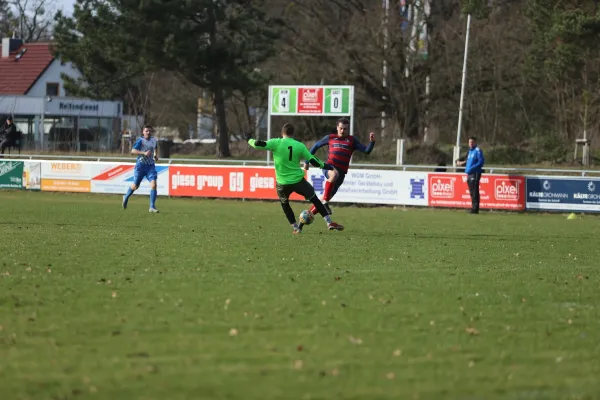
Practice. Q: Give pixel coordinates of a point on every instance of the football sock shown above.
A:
(327, 219)
(319, 206)
(289, 213)
(328, 189)
(129, 193)
(153, 194)
(313, 210)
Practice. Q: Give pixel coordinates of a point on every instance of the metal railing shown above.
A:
(488, 169)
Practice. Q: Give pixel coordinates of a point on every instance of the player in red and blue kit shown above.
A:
(146, 149)
(341, 147)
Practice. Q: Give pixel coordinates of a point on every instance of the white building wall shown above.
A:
(53, 75)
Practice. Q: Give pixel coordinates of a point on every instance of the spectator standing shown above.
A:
(473, 169)
(8, 135)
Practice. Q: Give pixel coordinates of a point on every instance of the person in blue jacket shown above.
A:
(473, 169)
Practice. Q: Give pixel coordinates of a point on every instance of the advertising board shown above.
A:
(376, 187)
(66, 176)
(11, 174)
(224, 182)
(117, 177)
(32, 175)
(500, 192)
(563, 193)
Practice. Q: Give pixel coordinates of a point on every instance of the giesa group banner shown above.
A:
(226, 182)
(500, 192)
(117, 177)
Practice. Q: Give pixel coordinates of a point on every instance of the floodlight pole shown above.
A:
(462, 92)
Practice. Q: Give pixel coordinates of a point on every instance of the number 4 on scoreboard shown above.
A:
(284, 100)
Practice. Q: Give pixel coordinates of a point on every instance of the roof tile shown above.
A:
(18, 76)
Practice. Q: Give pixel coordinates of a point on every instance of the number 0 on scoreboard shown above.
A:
(336, 101)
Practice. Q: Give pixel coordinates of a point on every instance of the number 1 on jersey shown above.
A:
(290, 149)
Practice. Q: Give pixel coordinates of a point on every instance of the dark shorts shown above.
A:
(303, 188)
(338, 182)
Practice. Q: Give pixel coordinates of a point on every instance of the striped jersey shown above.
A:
(143, 144)
(341, 149)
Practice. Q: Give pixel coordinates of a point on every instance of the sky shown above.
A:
(65, 5)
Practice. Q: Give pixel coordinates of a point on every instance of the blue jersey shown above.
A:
(475, 161)
(144, 145)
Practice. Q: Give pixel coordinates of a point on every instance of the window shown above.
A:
(51, 89)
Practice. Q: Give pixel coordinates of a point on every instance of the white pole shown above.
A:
(407, 56)
(258, 116)
(426, 125)
(462, 92)
(42, 129)
(269, 105)
(398, 150)
(401, 151)
(414, 35)
(351, 105)
(386, 5)
(425, 36)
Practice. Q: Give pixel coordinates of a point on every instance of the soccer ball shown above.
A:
(306, 217)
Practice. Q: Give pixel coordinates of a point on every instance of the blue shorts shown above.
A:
(142, 171)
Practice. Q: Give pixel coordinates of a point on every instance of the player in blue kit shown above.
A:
(146, 149)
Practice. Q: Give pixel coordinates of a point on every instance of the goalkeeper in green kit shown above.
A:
(287, 154)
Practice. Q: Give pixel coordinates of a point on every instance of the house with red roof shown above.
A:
(32, 92)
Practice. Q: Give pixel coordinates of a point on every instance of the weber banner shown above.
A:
(563, 193)
(66, 176)
(224, 182)
(500, 192)
(11, 174)
(117, 177)
(376, 187)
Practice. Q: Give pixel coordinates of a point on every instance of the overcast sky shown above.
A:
(65, 5)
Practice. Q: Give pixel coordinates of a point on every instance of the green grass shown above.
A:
(217, 300)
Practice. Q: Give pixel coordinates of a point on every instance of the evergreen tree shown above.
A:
(93, 40)
(214, 44)
(7, 19)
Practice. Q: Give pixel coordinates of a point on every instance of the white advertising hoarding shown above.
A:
(117, 177)
(371, 186)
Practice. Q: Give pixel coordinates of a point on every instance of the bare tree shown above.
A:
(34, 19)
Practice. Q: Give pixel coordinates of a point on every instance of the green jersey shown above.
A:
(287, 155)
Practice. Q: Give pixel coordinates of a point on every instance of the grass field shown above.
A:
(217, 300)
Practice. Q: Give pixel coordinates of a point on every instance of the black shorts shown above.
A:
(303, 188)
